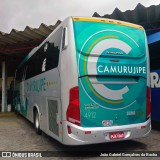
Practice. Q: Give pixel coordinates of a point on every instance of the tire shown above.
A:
(37, 123)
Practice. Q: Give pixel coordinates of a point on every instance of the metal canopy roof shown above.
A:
(14, 46)
(148, 17)
(23, 41)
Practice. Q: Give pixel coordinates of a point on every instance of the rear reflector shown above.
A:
(142, 127)
(69, 129)
(87, 132)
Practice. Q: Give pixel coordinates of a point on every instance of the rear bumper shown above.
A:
(101, 134)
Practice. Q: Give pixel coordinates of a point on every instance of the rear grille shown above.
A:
(52, 111)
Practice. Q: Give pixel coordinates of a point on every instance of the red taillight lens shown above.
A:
(74, 94)
(73, 111)
(148, 103)
(69, 129)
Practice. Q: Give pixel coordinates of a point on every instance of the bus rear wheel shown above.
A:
(37, 123)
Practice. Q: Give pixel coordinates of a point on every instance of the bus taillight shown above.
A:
(73, 111)
(148, 103)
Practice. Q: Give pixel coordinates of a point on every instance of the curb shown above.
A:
(7, 114)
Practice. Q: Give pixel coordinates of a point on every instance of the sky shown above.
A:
(18, 14)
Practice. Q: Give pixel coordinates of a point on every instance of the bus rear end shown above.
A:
(111, 101)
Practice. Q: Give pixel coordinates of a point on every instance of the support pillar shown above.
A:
(4, 87)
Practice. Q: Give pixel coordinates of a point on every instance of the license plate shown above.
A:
(116, 135)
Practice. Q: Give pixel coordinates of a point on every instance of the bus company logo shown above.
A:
(38, 85)
(101, 91)
(121, 69)
(104, 91)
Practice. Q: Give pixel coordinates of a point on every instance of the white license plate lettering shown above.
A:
(116, 135)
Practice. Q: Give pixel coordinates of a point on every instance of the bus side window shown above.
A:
(19, 75)
(54, 49)
(30, 72)
(46, 57)
(24, 73)
(35, 63)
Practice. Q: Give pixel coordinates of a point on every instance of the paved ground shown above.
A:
(18, 134)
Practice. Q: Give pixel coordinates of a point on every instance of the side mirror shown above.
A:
(65, 38)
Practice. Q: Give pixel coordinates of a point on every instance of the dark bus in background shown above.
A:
(154, 50)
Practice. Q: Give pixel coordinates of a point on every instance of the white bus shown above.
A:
(87, 82)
